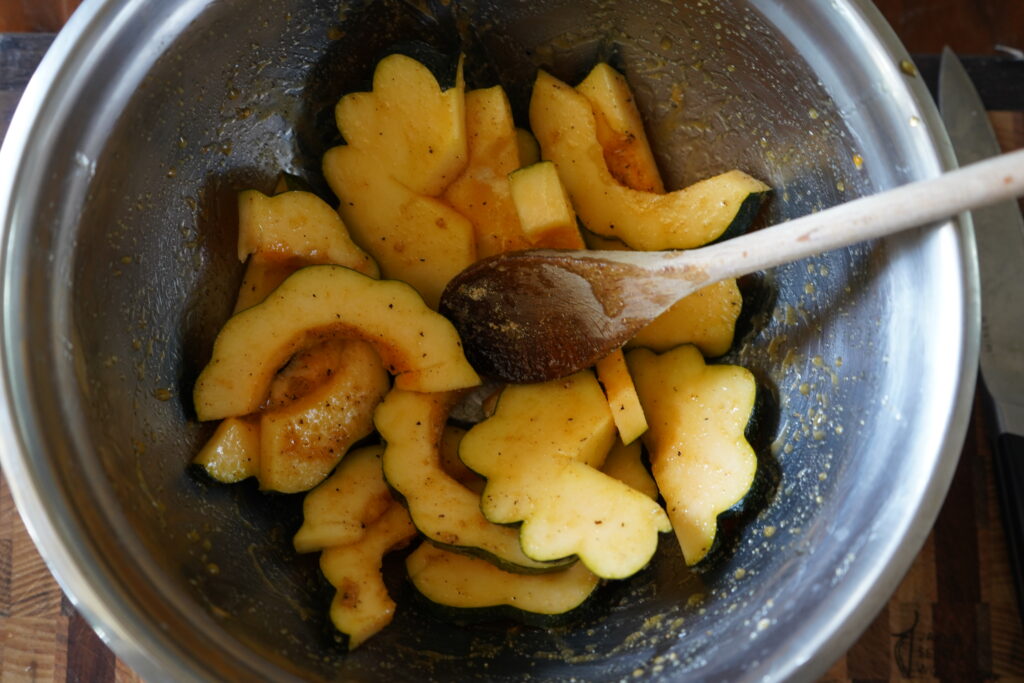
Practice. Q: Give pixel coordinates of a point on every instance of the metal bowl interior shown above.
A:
(119, 267)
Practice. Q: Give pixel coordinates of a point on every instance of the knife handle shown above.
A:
(1009, 474)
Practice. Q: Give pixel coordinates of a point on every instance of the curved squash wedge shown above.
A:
(362, 606)
(700, 457)
(563, 121)
(341, 509)
(445, 511)
(416, 344)
(535, 475)
(453, 580)
(620, 129)
(416, 129)
(302, 441)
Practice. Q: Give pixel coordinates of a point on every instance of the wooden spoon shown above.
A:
(538, 315)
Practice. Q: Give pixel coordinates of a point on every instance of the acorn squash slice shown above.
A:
(620, 129)
(414, 238)
(302, 441)
(299, 228)
(481, 192)
(699, 454)
(446, 512)
(341, 509)
(707, 317)
(416, 344)
(532, 452)
(469, 586)
(416, 129)
(563, 121)
(362, 606)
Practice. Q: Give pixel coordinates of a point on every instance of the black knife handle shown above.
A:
(1009, 470)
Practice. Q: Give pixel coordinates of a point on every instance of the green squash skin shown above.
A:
(760, 430)
(745, 216)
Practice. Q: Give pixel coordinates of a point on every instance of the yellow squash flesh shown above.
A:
(532, 453)
(302, 441)
(233, 452)
(620, 129)
(700, 457)
(413, 237)
(362, 606)
(563, 121)
(416, 344)
(298, 228)
(416, 129)
(445, 511)
(345, 505)
(481, 192)
(463, 582)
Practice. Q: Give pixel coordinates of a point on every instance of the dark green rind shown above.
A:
(760, 427)
(745, 215)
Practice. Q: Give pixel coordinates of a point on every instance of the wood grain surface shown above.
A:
(953, 618)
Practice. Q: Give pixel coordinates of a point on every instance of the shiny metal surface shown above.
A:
(116, 203)
(1000, 245)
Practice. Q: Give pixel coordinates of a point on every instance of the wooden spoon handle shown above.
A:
(916, 204)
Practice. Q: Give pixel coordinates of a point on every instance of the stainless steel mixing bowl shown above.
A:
(117, 207)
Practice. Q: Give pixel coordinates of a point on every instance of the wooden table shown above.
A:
(953, 618)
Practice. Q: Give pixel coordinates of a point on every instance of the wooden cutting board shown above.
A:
(954, 617)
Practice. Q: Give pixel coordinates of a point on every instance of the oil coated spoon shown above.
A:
(533, 316)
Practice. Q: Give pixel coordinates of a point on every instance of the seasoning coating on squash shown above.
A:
(563, 121)
(482, 192)
(302, 441)
(416, 344)
(415, 238)
(469, 583)
(362, 606)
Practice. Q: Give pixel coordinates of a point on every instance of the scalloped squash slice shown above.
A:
(362, 606)
(418, 346)
(296, 227)
(481, 192)
(699, 453)
(342, 507)
(414, 238)
(563, 121)
(536, 474)
(302, 441)
(453, 580)
(416, 129)
(445, 511)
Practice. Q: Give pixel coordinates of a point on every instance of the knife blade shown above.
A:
(999, 235)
